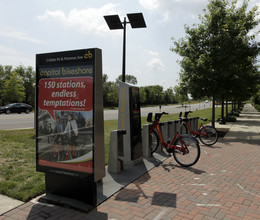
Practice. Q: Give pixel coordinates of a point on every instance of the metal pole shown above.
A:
(124, 46)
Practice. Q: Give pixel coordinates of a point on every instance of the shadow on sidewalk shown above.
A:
(158, 198)
(230, 141)
(170, 166)
(47, 211)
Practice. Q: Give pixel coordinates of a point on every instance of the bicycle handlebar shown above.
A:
(159, 115)
(186, 113)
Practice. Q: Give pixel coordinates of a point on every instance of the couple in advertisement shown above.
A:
(71, 131)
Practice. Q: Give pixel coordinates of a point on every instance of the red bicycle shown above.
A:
(208, 135)
(185, 148)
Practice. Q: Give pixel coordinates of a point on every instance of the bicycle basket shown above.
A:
(149, 117)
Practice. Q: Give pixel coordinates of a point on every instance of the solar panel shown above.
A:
(136, 20)
(113, 22)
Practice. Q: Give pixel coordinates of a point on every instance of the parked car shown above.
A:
(16, 108)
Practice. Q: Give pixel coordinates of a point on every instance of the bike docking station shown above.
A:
(126, 142)
(69, 98)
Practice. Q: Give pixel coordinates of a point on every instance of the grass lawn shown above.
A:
(18, 176)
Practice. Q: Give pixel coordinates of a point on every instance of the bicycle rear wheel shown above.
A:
(212, 136)
(193, 154)
(153, 141)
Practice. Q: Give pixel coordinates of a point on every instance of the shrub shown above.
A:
(230, 119)
(257, 107)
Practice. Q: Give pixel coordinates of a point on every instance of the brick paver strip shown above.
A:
(224, 184)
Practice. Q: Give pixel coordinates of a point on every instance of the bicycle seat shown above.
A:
(149, 117)
(204, 119)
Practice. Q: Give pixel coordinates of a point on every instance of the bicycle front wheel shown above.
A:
(209, 135)
(192, 156)
(183, 129)
(153, 141)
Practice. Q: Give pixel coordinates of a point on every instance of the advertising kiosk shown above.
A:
(69, 123)
(129, 119)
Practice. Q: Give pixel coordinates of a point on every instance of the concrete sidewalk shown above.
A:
(247, 126)
(224, 184)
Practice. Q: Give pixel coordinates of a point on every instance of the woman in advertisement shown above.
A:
(71, 130)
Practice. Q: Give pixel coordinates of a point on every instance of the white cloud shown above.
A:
(18, 35)
(153, 53)
(53, 15)
(156, 64)
(10, 56)
(151, 5)
(87, 21)
(169, 8)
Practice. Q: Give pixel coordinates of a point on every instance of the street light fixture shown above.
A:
(136, 20)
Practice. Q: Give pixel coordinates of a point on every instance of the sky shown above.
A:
(31, 27)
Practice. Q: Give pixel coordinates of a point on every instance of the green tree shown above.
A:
(128, 79)
(5, 71)
(219, 53)
(28, 79)
(169, 96)
(13, 89)
(180, 93)
(110, 92)
(112, 95)
(143, 99)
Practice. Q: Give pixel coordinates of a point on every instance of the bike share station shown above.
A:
(69, 92)
(70, 83)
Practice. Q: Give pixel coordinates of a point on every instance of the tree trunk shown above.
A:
(213, 112)
(226, 108)
(222, 120)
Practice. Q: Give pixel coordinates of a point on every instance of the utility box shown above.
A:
(129, 119)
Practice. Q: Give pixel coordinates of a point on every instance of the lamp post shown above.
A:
(136, 20)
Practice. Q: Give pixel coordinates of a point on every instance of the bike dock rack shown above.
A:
(115, 163)
(172, 129)
(145, 140)
(194, 123)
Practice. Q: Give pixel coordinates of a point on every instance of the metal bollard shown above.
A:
(115, 165)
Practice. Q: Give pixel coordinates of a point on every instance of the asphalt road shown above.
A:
(25, 121)
(171, 109)
(16, 121)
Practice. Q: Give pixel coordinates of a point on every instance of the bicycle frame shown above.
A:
(168, 146)
(197, 133)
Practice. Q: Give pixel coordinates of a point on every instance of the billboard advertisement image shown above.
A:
(64, 117)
